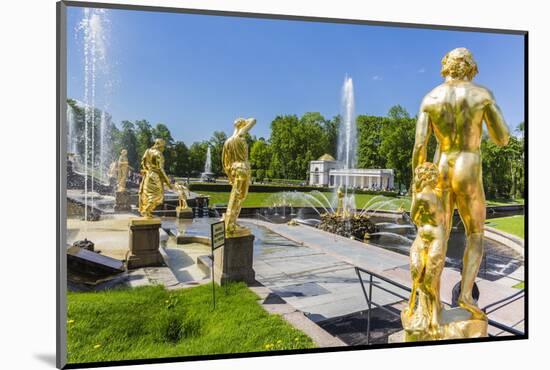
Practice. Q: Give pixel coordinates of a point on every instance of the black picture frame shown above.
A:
(61, 173)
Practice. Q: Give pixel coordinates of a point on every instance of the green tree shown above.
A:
(127, 140)
(369, 130)
(144, 136)
(197, 157)
(503, 169)
(180, 165)
(397, 141)
(330, 127)
(295, 142)
(260, 157)
(216, 148)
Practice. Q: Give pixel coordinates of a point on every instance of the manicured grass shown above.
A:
(265, 199)
(268, 199)
(513, 224)
(520, 285)
(151, 322)
(505, 202)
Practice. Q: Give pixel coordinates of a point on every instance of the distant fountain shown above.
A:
(347, 143)
(208, 163)
(207, 175)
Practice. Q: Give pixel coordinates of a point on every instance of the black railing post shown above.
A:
(369, 306)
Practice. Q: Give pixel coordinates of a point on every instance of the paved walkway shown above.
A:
(314, 271)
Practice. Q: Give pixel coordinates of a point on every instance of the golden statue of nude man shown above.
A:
(454, 112)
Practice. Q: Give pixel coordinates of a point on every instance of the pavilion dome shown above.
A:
(326, 157)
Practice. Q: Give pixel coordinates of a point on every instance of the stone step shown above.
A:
(204, 262)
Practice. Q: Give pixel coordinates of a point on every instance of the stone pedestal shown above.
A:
(122, 201)
(144, 243)
(233, 261)
(456, 323)
(186, 213)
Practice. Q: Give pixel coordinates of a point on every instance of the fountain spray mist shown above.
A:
(93, 29)
(347, 135)
(208, 163)
(347, 139)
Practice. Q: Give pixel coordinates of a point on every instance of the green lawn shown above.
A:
(504, 202)
(151, 322)
(267, 199)
(514, 224)
(520, 285)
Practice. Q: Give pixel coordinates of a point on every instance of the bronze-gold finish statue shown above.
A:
(182, 191)
(151, 188)
(237, 168)
(427, 254)
(340, 211)
(122, 170)
(454, 112)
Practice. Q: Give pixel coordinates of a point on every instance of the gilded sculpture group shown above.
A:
(235, 165)
(454, 113)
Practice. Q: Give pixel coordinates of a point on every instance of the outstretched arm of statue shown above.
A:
(164, 178)
(250, 122)
(498, 130)
(422, 137)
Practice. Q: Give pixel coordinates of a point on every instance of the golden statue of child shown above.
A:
(427, 254)
(237, 168)
(151, 188)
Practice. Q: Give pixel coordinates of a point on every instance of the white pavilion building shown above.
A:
(327, 171)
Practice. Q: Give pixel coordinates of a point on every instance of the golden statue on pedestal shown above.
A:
(454, 112)
(340, 207)
(237, 168)
(151, 188)
(122, 170)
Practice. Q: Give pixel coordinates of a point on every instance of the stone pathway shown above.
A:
(314, 271)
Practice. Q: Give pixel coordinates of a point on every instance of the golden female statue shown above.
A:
(454, 112)
(237, 168)
(151, 188)
(122, 170)
(427, 254)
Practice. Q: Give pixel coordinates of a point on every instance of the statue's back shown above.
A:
(456, 111)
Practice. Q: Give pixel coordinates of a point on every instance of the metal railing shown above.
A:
(370, 303)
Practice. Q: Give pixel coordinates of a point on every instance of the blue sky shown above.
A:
(197, 73)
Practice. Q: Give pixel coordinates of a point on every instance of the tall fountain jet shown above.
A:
(94, 31)
(347, 141)
(208, 163)
(207, 175)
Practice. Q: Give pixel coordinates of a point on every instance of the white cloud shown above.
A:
(421, 70)
(377, 78)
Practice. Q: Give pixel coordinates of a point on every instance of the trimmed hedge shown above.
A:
(262, 188)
